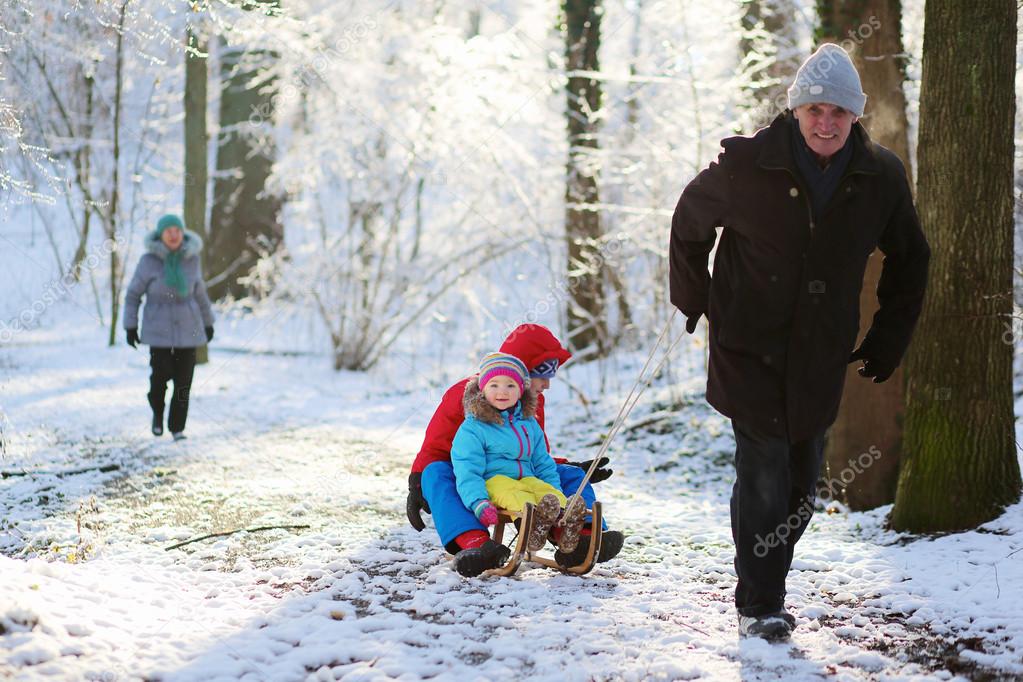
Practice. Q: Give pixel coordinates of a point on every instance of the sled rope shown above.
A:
(627, 405)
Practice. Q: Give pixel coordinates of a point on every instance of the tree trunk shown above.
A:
(82, 165)
(959, 453)
(196, 137)
(113, 222)
(196, 143)
(587, 323)
(871, 415)
(243, 221)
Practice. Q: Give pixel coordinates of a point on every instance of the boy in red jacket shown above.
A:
(432, 481)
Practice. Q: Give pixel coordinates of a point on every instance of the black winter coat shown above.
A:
(783, 304)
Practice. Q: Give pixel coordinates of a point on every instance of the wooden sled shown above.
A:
(519, 553)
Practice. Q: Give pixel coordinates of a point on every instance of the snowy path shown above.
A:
(359, 595)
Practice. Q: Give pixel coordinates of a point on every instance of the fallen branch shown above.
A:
(68, 472)
(232, 532)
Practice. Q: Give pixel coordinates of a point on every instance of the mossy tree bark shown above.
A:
(960, 467)
(870, 415)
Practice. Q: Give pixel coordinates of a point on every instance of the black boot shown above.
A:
(472, 562)
(774, 627)
(610, 544)
(157, 423)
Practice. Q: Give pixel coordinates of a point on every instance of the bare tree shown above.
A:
(196, 139)
(25, 173)
(587, 323)
(88, 88)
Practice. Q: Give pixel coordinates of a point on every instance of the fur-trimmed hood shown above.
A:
(191, 245)
(476, 405)
(491, 442)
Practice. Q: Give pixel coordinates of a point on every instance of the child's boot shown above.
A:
(544, 516)
(610, 545)
(473, 561)
(574, 520)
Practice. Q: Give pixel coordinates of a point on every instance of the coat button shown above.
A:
(793, 192)
(767, 359)
(848, 189)
(774, 278)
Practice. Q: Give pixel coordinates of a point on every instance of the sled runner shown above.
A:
(520, 553)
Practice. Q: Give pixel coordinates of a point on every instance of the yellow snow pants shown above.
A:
(512, 494)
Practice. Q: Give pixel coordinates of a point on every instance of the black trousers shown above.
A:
(772, 502)
(177, 364)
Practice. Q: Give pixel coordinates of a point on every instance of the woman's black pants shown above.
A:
(169, 364)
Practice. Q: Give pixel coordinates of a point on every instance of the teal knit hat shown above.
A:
(169, 220)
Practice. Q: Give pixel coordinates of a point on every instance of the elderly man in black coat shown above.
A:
(802, 203)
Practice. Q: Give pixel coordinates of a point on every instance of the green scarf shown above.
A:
(172, 273)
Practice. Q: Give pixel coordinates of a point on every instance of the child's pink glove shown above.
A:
(485, 512)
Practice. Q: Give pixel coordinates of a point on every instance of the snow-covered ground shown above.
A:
(90, 591)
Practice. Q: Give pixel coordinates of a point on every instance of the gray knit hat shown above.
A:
(828, 75)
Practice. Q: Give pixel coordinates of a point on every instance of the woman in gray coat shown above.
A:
(177, 318)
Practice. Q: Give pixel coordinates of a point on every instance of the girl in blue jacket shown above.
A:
(500, 456)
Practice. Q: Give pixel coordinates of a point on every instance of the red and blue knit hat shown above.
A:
(503, 365)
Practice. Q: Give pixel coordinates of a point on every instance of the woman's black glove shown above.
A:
(133, 337)
(415, 503)
(209, 333)
(599, 474)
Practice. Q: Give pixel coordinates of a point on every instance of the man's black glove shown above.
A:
(692, 319)
(415, 501)
(209, 333)
(599, 474)
(133, 337)
(872, 368)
